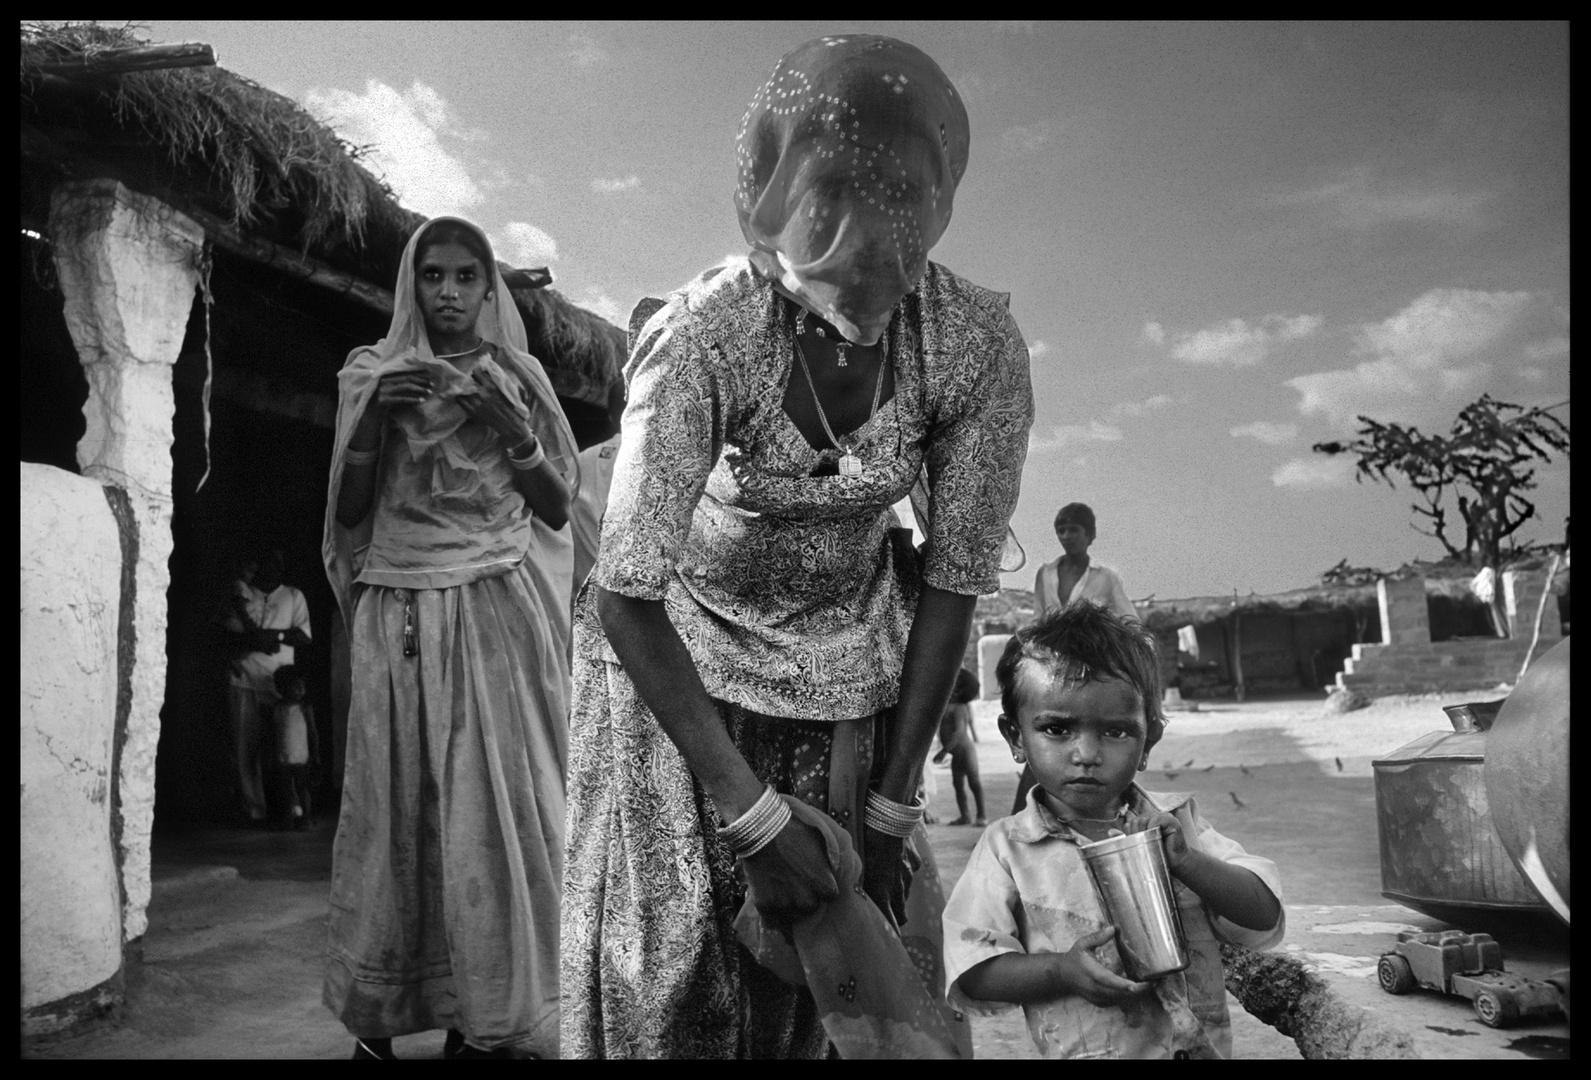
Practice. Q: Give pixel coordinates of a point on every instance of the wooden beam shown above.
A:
(135, 58)
(290, 262)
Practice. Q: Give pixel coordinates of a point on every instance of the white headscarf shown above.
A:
(407, 347)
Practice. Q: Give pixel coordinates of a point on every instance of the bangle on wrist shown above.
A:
(890, 817)
(361, 457)
(757, 827)
(527, 455)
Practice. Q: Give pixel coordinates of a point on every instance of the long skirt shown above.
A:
(447, 865)
(651, 964)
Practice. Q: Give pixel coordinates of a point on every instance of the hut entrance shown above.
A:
(275, 347)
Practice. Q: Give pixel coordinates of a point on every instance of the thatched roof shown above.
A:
(209, 141)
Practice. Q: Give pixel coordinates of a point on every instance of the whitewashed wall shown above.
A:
(70, 596)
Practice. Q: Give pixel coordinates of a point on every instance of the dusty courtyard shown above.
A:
(237, 924)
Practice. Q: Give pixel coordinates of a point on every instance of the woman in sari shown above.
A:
(445, 543)
(754, 629)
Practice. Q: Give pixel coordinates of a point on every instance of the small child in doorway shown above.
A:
(1080, 696)
(955, 742)
(297, 744)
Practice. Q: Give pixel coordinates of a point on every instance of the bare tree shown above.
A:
(1488, 461)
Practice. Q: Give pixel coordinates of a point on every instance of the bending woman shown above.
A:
(754, 625)
(446, 546)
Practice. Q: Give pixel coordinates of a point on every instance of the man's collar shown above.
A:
(1036, 822)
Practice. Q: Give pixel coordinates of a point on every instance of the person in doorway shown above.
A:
(447, 548)
(1075, 578)
(751, 637)
(956, 743)
(297, 746)
(267, 620)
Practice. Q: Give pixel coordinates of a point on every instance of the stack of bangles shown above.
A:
(361, 457)
(890, 817)
(755, 829)
(526, 455)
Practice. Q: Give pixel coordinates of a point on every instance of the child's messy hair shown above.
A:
(1082, 642)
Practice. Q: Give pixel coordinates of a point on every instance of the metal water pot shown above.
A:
(1440, 853)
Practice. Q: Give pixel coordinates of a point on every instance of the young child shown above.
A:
(1080, 697)
(297, 743)
(955, 742)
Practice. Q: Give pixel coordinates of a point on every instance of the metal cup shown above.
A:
(1134, 887)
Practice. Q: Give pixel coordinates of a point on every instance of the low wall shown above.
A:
(71, 895)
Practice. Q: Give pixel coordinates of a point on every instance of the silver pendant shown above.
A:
(850, 465)
(839, 350)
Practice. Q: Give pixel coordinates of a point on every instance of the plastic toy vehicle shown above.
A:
(1468, 966)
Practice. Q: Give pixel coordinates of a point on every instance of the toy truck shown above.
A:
(1468, 966)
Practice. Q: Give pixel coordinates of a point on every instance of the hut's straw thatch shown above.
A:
(262, 151)
(259, 159)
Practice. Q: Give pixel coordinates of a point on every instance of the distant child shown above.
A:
(1080, 696)
(955, 742)
(297, 743)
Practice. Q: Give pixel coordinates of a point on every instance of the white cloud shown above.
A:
(404, 132)
(609, 187)
(1026, 138)
(1314, 472)
(1266, 432)
(1357, 200)
(1037, 349)
(1153, 334)
(583, 51)
(595, 300)
(1238, 344)
(1016, 26)
(525, 245)
(1141, 408)
(1067, 434)
(1550, 349)
(1532, 374)
(1414, 357)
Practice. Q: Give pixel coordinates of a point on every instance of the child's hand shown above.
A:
(1172, 840)
(1078, 972)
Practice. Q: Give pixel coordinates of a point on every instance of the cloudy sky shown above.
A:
(1223, 242)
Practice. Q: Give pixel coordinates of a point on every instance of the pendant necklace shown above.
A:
(840, 344)
(850, 465)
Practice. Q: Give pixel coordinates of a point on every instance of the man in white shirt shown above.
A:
(1075, 576)
(267, 621)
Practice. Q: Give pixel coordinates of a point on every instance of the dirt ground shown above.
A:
(232, 959)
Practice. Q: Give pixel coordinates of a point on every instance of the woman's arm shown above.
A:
(933, 656)
(790, 876)
(543, 489)
(358, 489)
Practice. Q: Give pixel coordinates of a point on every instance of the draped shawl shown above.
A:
(427, 430)
(849, 158)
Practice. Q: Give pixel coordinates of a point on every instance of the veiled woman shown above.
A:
(447, 547)
(754, 627)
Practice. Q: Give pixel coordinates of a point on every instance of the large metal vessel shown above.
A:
(1440, 853)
